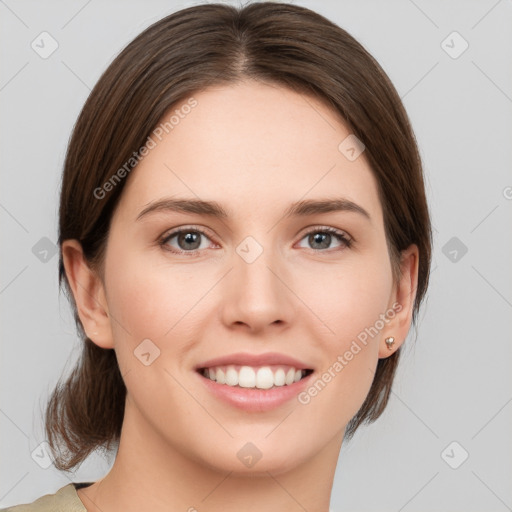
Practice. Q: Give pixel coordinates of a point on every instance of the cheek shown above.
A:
(167, 305)
(346, 298)
(146, 298)
(151, 307)
(351, 301)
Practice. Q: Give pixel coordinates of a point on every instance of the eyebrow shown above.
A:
(214, 209)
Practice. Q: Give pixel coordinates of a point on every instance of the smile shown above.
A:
(263, 377)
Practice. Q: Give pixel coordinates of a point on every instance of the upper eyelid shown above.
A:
(176, 231)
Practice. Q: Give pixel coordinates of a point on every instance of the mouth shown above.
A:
(254, 377)
(254, 383)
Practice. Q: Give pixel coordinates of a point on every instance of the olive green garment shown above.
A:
(64, 500)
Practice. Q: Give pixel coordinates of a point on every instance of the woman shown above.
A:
(246, 242)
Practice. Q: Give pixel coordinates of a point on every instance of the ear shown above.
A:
(89, 294)
(401, 304)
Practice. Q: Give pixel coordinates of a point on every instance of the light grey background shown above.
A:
(454, 382)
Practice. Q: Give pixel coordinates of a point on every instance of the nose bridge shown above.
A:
(256, 294)
(253, 261)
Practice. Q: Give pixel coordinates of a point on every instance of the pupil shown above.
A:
(189, 238)
(321, 238)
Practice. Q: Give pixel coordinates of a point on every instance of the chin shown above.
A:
(256, 458)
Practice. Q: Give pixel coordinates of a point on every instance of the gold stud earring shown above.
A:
(390, 342)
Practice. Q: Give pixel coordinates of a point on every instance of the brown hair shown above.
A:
(186, 52)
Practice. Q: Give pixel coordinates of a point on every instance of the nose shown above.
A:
(257, 294)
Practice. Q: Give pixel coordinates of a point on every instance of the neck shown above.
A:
(150, 474)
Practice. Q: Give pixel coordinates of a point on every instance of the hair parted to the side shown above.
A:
(182, 54)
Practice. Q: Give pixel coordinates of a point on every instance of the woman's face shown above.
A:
(256, 282)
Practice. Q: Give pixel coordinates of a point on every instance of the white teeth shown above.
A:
(290, 376)
(264, 377)
(279, 377)
(246, 377)
(220, 376)
(231, 376)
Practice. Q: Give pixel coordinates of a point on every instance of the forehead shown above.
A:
(250, 144)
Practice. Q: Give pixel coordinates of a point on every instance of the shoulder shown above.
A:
(64, 500)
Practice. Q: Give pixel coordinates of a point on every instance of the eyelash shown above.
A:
(339, 235)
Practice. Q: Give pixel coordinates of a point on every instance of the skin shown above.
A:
(254, 148)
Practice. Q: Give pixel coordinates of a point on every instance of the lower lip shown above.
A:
(254, 399)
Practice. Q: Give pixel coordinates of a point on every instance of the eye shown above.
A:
(191, 240)
(188, 240)
(321, 238)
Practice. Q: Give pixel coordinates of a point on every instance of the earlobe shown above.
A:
(390, 341)
(402, 302)
(88, 292)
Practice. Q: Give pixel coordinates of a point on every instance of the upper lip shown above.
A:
(246, 359)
